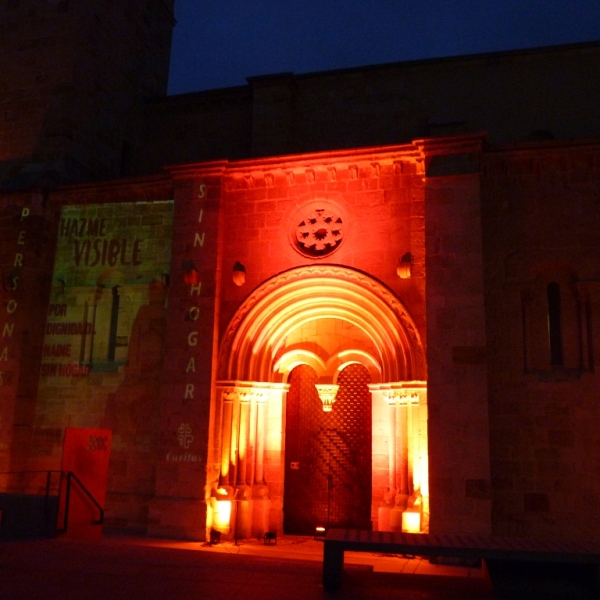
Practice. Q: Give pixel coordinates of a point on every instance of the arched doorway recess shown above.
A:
(327, 454)
(326, 317)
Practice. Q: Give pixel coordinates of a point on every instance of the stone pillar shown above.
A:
(226, 438)
(403, 459)
(251, 456)
(261, 413)
(235, 437)
(274, 454)
(28, 232)
(243, 448)
(251, 466)
(261, 502)
(459, 441)
(423, 459)
(408, 441)
(187, 462)
(392, 444)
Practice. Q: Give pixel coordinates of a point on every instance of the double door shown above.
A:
(327, 454)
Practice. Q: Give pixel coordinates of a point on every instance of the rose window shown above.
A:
(319, 233)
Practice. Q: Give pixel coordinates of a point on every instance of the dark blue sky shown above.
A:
(218, 43)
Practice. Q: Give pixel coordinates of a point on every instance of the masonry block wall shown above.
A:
(27, 234)
(378, 197)
(70, 72)
(512, 421)
(178, 508)
(514, 96)
(540, 215)
(457, 385)
(223, 116)
(83, 332)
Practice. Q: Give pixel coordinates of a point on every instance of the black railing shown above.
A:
(31, 484)
(22, 484)
(70, 476)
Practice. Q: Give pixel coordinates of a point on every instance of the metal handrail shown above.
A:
(47, 487)
(71, 475)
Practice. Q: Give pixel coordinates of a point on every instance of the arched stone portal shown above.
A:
(326, 317)
(327, 453)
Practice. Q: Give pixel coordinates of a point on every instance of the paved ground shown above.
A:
(132, 569)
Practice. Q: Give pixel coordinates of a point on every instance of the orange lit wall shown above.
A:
(302, 304)
(316, 260)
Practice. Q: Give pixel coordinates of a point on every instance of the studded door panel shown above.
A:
(328, 455)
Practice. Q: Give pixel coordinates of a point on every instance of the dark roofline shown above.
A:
(496, 55)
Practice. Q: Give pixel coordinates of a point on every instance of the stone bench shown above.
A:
(502, 558)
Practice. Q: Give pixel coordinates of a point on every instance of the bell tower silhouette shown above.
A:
(71, 74)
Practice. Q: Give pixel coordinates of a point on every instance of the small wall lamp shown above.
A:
(239, 273)
(190, 273)
(404, 266)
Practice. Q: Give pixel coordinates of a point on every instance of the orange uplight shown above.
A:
(223, 514)
(411, 521)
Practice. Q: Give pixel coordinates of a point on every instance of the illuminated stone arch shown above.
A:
(255, 359)
(258, 331)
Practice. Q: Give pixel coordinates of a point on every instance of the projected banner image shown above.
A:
(105, 321)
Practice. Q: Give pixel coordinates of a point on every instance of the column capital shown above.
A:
(327, 393)
(244, 391)
(402, 397)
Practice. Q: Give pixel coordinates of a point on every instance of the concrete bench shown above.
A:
(499, 555)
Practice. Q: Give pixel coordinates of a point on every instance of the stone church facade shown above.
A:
(364, 298)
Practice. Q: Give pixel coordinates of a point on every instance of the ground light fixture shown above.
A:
(411, 521)
(270, 538)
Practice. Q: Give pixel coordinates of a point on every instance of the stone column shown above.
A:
(403, 455)
(235, 436)
(187, 470)
(226, 437)
(243, 446)
(251, 454)
(415, 441)
(408, 442)
(392, 442)
(456, 336)
(251, 468)
(261, 412)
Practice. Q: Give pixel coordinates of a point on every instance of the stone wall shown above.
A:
(378, 197)
(541, 224)
(512, 426)
(69, 74)
(543, 93)
(456, 338)
(26, 254)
